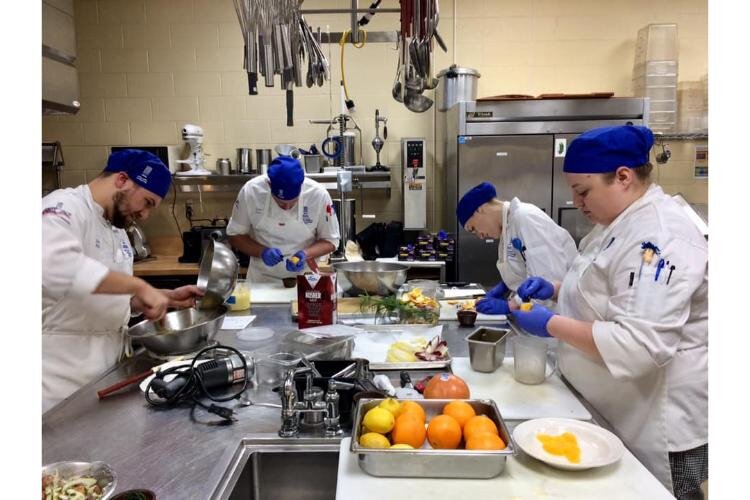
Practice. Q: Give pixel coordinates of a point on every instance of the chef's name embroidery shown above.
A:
(57, 211)
(125, 247)
(306, 216)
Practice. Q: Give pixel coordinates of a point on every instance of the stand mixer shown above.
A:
(193, 136)
(377, 142)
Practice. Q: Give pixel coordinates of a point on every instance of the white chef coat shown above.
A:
(82, 332)
(256, 214)
(549, 248)
(652, 335)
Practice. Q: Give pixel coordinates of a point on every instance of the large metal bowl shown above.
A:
(371, 277)
(218, 274)
(103, 473)
(179, 332)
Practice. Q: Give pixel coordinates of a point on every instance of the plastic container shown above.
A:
(658, 93)
(422, 306)
(272, 369)
(240, 298)
(657, 42)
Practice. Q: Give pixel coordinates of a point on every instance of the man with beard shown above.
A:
(88, 287)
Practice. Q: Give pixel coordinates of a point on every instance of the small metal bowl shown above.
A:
(179, 332)
(103, 473)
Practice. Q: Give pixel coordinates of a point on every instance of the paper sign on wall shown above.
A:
(700, 162)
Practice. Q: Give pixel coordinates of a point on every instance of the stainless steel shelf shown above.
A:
(233, 183)
(682, 136)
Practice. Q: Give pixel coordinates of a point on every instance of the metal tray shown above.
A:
(406, 365)
(427, 462)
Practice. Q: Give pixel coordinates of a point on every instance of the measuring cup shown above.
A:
(530, 360)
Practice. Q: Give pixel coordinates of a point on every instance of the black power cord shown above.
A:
(191, 383)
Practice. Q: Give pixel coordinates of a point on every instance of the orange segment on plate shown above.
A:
(565, 445)
(485, 441)
(444, 432)
(460, 410)
(477, 424)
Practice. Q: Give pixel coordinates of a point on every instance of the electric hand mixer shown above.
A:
(193, 136)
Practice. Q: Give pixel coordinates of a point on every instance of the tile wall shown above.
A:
(149, 66)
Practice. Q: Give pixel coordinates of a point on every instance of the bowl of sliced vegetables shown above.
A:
(78, 481)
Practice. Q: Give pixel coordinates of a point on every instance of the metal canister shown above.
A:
(223, 166)
(456, 85)
(263, 158)
(244, 161)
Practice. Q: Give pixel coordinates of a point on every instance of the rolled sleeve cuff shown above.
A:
(624, 357)
(88, 277)
(333, 241)
(234, 229)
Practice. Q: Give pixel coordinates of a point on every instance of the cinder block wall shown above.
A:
(149, 66)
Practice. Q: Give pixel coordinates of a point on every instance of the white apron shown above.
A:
(84, 337)
(287, 232)
(637, 409)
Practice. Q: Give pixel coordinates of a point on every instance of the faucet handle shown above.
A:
(335, 385)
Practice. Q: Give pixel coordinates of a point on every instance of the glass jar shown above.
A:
(240, 298)
(419, 303)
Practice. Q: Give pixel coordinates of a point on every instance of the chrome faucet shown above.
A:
(292, 408)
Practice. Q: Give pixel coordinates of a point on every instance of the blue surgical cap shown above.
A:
(602, 150)
(473, 199)
(286, 177)
(143, 168)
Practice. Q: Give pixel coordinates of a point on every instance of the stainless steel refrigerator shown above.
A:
(519, 146)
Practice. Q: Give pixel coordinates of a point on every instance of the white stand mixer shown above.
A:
(193, 136)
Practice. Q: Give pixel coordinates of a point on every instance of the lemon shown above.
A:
(402, 446)
(526, 306)
(374, 440)
(391, 405)
(379, 420)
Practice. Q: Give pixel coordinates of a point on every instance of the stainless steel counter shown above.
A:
(164, 450)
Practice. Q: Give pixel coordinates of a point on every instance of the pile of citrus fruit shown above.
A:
(403, 425)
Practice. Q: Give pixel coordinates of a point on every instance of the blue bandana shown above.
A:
(286, 175)
(602, 150)
(143, 168)
(473, 199)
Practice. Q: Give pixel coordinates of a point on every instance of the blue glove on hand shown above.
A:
(536, 288)
(534, 321)
(271, 256)
(299, 266)
(498, 292)
(492, 306)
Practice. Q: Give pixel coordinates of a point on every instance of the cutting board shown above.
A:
(271, 293)
(518, 401)
(448, 313)
(523, 477)
(346, 307)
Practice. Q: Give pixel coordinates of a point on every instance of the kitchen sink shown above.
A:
(278, 469)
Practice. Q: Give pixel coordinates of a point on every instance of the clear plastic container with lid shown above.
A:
(656, 42)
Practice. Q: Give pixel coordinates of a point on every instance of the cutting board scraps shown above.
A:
(518, 401)
(448, 309)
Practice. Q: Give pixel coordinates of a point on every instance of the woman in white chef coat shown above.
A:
(282, 220)
(633, 308)
(530, 243)
(88, 290)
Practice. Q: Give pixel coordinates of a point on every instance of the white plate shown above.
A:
(599, 447)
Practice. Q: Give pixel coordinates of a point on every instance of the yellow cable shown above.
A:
(342, 44)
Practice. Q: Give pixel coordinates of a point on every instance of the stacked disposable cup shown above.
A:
(655, 73)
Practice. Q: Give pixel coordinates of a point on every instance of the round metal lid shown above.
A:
(455, 70)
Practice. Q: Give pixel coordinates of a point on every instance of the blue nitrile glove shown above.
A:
(271, 256)
(492, 306)
(299, 266)
(536, 288)
(534, 321)
(498, 292)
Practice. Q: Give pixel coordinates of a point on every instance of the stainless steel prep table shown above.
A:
(164, 451)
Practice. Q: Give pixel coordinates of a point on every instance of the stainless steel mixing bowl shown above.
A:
(217, 275)
(179, 332)
(371, 277)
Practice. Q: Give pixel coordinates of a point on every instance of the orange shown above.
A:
(460, 410)
(444, 432)
(412, 407)
(485, 441)
(479, 423)
(409, 429)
